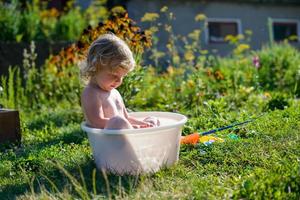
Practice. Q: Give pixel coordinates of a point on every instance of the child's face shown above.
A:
(108, 80)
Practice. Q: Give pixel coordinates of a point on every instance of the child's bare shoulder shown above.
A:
(116, 94)
(91, 93)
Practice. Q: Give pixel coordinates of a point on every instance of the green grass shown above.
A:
(54, 159)
(264, 163)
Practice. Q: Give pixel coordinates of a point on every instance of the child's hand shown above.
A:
(153, 121)
(146, 125)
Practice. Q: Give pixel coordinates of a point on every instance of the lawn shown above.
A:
(55, 161)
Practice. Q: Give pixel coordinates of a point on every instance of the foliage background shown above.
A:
(54, 159)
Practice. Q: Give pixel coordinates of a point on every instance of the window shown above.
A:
(285, 30)
(219, 29)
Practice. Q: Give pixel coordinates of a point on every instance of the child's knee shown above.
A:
(118, 122)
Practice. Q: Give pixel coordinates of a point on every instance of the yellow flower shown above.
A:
(169, 46)
(248, 32)
(241, 48)
(171, 16)
(150, 17)
(293, 38)
(249, 89)
(267, 94)
(49, 13)
(176, 59)
(230, 38)
(200, 17)
(195, 34)
(151, 70)
(189, 56)
(52, 69)
(190, 83)
(164, 9)
(246, 90)
(204, 52)
(153, 29)
(118, 9)
(168, 28)
(240, 37)
(170, 70)
(243, 61)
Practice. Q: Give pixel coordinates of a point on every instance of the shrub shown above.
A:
(59, 79)
(10, 20)
(35, 22)
(70, 25)
(280, 68)
(278, 101)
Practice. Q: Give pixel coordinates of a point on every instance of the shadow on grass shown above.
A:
(101, 184)
(28, 159)
(98, 183)
(76, 136)
(59, 119)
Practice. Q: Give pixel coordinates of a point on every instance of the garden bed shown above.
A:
(11, 53)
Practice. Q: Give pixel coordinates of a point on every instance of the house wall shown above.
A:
(253, 16)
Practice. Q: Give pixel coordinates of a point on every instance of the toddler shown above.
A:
(108, 61)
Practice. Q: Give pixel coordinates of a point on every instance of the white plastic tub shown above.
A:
(135, 151)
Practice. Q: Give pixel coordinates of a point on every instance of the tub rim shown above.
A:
(151, 130)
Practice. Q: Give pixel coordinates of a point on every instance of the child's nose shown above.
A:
(118, 80)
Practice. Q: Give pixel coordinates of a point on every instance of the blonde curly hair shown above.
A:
(107, 52)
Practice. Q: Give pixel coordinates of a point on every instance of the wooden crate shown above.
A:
(9, 126)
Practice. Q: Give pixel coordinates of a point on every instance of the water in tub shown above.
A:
(164, 121)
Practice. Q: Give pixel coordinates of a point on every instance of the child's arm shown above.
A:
(98, 122)
(92, 107)
(135, 122)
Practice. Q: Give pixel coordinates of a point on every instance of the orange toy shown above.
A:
(190, 139)
(194, 138)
